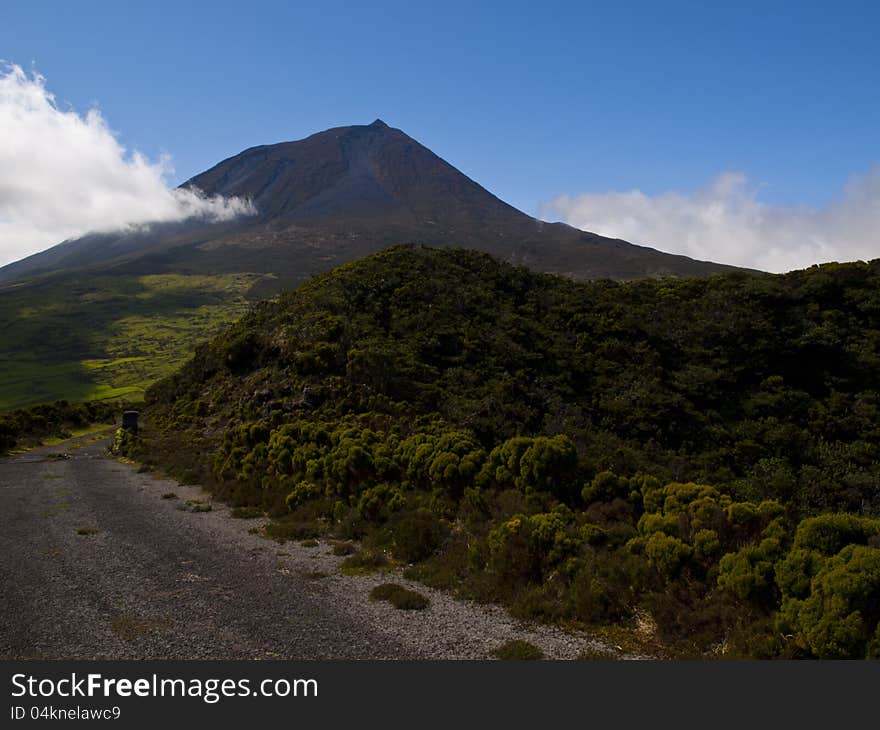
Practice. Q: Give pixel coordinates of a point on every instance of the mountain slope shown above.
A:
(343, 193)
(106, 314)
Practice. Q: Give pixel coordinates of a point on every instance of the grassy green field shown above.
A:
(109, 336)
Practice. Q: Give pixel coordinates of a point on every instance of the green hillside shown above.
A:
(105, 315)
(696, 459)
(107, 336)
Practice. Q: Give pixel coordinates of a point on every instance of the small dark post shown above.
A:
(130, 421)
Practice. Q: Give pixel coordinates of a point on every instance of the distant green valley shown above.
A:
(107, 336)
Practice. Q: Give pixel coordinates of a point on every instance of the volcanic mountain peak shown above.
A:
(367, 175)
(108, 313)
(344, 193)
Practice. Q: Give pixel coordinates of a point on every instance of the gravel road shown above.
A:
(97, 565)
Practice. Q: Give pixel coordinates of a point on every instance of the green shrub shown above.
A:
(605, 487)
(666, 554)
(284, 530)
(416, 534)
(378, 503)
(365, 561)
(188, 476)
(518, 649)
(302, 493)
(604, 587)
(533, 465)
(749, 574)
(795, 572)
(124, 442)
(839, 618)
(399, 597)
(829, 534)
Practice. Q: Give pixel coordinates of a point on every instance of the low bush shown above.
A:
(415, 534)
(399, 597)
(246, 513)
(344, 548)
(365, 561)
(518, 649)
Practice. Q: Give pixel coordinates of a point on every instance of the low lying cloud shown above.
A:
(726, 222)
(64, 174)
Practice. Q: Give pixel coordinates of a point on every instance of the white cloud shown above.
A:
(63, 174)
(725, 222)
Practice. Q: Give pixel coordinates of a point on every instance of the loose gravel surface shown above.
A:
(97, 565)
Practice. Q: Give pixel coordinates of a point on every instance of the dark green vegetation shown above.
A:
(246, 513)
(517, 649)
(26, 427)
(365, 561)
(106, 315)
(401, 598)
(703, 452)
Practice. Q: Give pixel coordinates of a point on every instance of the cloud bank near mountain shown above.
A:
(726, 222)
(64, 174)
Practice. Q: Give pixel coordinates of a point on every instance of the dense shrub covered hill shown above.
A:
(697, 457)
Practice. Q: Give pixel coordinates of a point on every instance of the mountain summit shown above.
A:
(341, 194)
(364, 176)
(105, 315)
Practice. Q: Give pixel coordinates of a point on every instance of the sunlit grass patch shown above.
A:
(112, 338)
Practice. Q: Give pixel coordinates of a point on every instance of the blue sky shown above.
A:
(534, 101)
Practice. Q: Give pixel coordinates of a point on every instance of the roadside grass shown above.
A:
(246, 513)
(91, 429)
(366, 561)
(591, 654)
(130, 627)
(518, 649)
(282, 531)
(401, 598)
